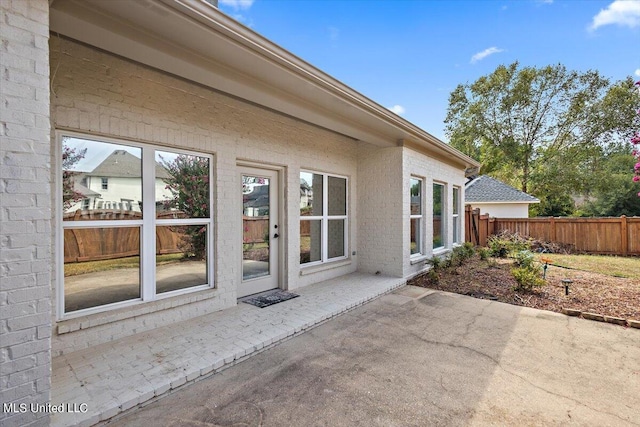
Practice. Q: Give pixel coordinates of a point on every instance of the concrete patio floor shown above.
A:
(120, 375)
(424, 358)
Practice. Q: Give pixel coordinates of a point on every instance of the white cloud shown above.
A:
(625, 13)
(481, 55)
(398, 109)
(237, 4)
(637, 73)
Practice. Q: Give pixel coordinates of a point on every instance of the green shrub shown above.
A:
(483, 253)
(498, 247)
(527, 278)
(433, 276)
(467, 250)
(525, 259)
(436, 263)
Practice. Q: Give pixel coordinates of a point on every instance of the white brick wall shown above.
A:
(380, 220)
(432, 170)
(101, 94)
(25, 209)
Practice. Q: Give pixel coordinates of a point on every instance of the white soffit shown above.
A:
(193, 40)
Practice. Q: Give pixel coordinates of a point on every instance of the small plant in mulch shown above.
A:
(440, 265)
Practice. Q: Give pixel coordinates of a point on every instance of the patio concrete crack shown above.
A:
(577, 402)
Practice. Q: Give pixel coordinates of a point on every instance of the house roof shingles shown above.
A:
(485, 189)
(123, 164)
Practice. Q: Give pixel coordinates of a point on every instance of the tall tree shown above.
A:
(540, 129)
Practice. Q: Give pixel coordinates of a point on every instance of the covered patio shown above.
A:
(116, 376)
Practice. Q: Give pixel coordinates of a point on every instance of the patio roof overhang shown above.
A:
(194, 40)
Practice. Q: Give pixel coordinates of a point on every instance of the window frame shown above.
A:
(147, 225)
(421, 241)
(455, 215)
(443, 216)
(325, 218)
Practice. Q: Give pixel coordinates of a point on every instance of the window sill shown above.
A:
(323, 267)
(440, 251)
(138, 308)
(418, 259)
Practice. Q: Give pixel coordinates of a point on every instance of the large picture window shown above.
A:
(415, 190)
(438, 216)
(323, 218)
(145, 234)
(456, 215)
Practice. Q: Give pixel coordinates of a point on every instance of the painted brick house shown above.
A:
(179, 80)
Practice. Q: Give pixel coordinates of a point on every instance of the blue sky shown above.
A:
(408, 55)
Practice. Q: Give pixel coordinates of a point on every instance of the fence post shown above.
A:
(624, 235)
(552, 229)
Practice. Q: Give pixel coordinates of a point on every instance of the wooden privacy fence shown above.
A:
(478, 227)
(94, 244)
(607, 236)
(255, 229)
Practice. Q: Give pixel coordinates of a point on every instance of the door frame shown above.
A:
(246, 167)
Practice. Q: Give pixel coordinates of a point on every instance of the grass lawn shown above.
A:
(627, 267)
(74, 269)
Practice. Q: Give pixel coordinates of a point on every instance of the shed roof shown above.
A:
(485, 189)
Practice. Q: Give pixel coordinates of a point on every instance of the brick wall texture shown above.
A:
(96, 93)
(25, 210)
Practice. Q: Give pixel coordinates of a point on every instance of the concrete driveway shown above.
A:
(442, 359)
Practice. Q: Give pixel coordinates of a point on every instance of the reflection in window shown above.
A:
(105, 263)
(255, 223)
(97, 176)
(438, 223)
(310, 241)
(456, 215)
(415, 191)
(311, 194)
(176, 266)
(323, 227)
(101, 266)
(182, 185)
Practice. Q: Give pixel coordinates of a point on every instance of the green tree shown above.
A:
(188, 183)
(541, 129)
(615, 194)
(69, 159)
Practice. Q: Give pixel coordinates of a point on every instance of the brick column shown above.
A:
(25, 211)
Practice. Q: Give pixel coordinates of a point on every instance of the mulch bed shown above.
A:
(589, 292)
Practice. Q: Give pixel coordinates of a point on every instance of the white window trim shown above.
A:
(421, 234)
(325, 217)
(456, 224)
(443, 216)
(148, 222)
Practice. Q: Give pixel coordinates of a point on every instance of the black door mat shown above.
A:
(266, 299)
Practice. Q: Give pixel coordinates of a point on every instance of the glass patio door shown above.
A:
(260, 231)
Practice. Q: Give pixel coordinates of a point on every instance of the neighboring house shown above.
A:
(171, 77)
(86, 199)
(256, 202)
(497, 199)
(116, 184)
